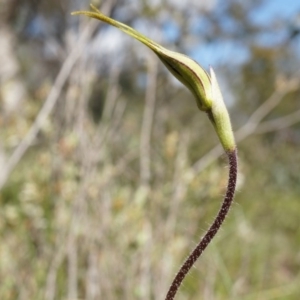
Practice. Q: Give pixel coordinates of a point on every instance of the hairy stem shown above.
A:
(204, 242)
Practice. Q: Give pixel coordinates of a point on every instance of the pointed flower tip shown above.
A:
(220, 117)
(95, 9)
(95, 13)
(216, 92)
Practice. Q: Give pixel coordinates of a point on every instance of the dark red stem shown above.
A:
(190, 261)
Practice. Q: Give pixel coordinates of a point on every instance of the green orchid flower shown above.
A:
(209, 99)
(203, 86)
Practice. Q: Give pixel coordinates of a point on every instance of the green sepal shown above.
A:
(186, 70)
(203, 86)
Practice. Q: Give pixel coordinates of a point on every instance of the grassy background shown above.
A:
(120, 181)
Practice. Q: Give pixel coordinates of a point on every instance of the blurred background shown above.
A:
(110, 174)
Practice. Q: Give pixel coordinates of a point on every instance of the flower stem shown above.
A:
(204, 242)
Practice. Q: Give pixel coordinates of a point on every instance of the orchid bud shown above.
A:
(203, 86)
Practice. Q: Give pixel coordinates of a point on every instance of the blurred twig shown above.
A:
(145, 172)
(179, 191)
(93, 291)
(56, 261)
(279, 123)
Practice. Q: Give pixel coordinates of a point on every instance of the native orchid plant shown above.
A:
(209, 99)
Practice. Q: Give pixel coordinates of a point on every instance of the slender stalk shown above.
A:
(209, 99)
(204, 242)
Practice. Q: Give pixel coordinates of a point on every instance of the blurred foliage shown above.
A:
(79, 220)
